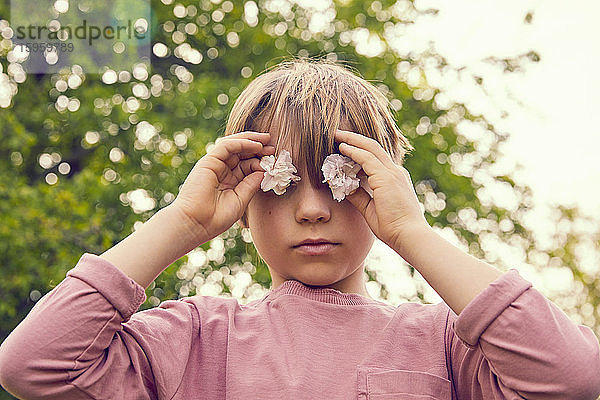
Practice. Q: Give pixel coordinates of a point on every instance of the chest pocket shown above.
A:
(387, 384)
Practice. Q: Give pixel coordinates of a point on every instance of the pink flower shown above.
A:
(340, 173)
(278, 174)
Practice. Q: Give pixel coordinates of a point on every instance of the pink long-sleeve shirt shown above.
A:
(84, 340)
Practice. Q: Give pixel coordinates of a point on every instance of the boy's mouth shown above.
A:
(319, 241)
(319, 247)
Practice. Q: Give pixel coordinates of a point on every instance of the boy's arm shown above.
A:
(166, 237)
(508, 339)
(77, 338)
(455, 275)
(83, 340)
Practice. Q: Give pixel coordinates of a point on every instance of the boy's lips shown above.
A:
(315, 247)
(315, 242)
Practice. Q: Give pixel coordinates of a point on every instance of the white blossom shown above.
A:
(278, 174)
(340, 173)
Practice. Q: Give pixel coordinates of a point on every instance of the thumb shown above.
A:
(248, 186)
(359, 199)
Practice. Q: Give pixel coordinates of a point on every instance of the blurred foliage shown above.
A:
(92, 127)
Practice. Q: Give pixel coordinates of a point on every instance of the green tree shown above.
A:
(76, 156)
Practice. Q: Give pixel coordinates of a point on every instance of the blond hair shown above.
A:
(305, 101)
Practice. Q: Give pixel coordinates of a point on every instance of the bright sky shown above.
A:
(552, 130)
(552, 104)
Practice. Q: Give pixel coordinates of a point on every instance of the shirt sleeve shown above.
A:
(83, 340)
(511, 342)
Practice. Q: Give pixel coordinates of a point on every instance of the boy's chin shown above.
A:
(318, 282)
(318, 286)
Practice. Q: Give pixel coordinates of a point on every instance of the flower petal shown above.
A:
(340, 173)
(279, 173)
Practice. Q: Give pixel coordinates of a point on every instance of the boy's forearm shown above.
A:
(164, 238)
(455, 275)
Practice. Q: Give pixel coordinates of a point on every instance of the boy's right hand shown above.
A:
(217, 191)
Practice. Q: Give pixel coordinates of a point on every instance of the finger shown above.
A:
(227, 154)
(229, 146)
(367, 160)
(235, 159)
(220, 168)
(246, 189)
(238, 172)
(360, 200)
(243, 147)
(365, 143)
(262, 137)
(246, 167)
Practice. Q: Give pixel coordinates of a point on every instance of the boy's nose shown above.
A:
(313, 205)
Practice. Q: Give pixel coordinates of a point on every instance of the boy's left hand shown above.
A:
(394, 208)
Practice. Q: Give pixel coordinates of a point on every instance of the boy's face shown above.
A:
(280, 222)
